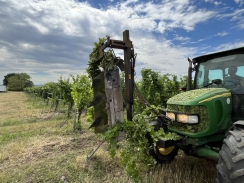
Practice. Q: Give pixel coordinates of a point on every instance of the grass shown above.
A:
(38, 145)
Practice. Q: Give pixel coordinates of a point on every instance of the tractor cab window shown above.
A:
(208, 73)
(227, 71)
(240, 71)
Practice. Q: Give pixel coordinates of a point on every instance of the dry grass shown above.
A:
(38, 146)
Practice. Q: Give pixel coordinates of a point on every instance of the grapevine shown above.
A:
(65, 86)
(82, 95)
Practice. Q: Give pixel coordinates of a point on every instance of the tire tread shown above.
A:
(230, 166)
(240, 145)
(237, 173)
(230, 146)
(225, 158)
(237, 136)
(237, 158)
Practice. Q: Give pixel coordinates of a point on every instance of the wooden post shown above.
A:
(128, 76)
(114, 99)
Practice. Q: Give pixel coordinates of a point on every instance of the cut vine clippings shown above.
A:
(134, 152)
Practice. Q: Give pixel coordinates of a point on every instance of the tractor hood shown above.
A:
(198, 96)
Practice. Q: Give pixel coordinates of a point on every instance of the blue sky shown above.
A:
(50, 38)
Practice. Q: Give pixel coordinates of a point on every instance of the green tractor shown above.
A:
(209, 115)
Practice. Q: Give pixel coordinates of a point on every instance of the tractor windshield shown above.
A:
(227, 71)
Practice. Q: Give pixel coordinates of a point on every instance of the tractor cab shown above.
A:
(223, 70)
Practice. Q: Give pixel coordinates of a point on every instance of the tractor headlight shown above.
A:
(171, 115)
(185, 118)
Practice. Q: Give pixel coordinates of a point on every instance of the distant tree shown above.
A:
(15, 84)
(5, 80)
(18, 82)
(29, 84)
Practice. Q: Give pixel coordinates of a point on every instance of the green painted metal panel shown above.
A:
(213, 105)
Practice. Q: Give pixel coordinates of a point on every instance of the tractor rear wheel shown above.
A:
(230, 166)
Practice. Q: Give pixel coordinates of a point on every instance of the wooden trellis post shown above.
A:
(114, 99)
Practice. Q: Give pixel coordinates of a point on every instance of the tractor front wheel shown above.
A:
(164, 155)
(231, 158)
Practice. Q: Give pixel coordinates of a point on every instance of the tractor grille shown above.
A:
(184, 109)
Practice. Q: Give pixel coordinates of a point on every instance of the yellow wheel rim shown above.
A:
(166, 151)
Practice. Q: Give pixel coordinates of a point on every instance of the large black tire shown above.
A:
(160, 157)
(230, 166)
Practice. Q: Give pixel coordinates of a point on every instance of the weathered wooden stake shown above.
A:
(114, 99)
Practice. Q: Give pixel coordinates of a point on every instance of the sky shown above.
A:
(51, 38)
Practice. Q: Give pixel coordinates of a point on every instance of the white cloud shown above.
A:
(50, 38)
(200, 40)
(241, 24)
(239, 2)
(134, 16)
(216, 3)
(222, 33)
(228, 46)
(181, 38)
(76, 17)
(163, 57)
(236, 15)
